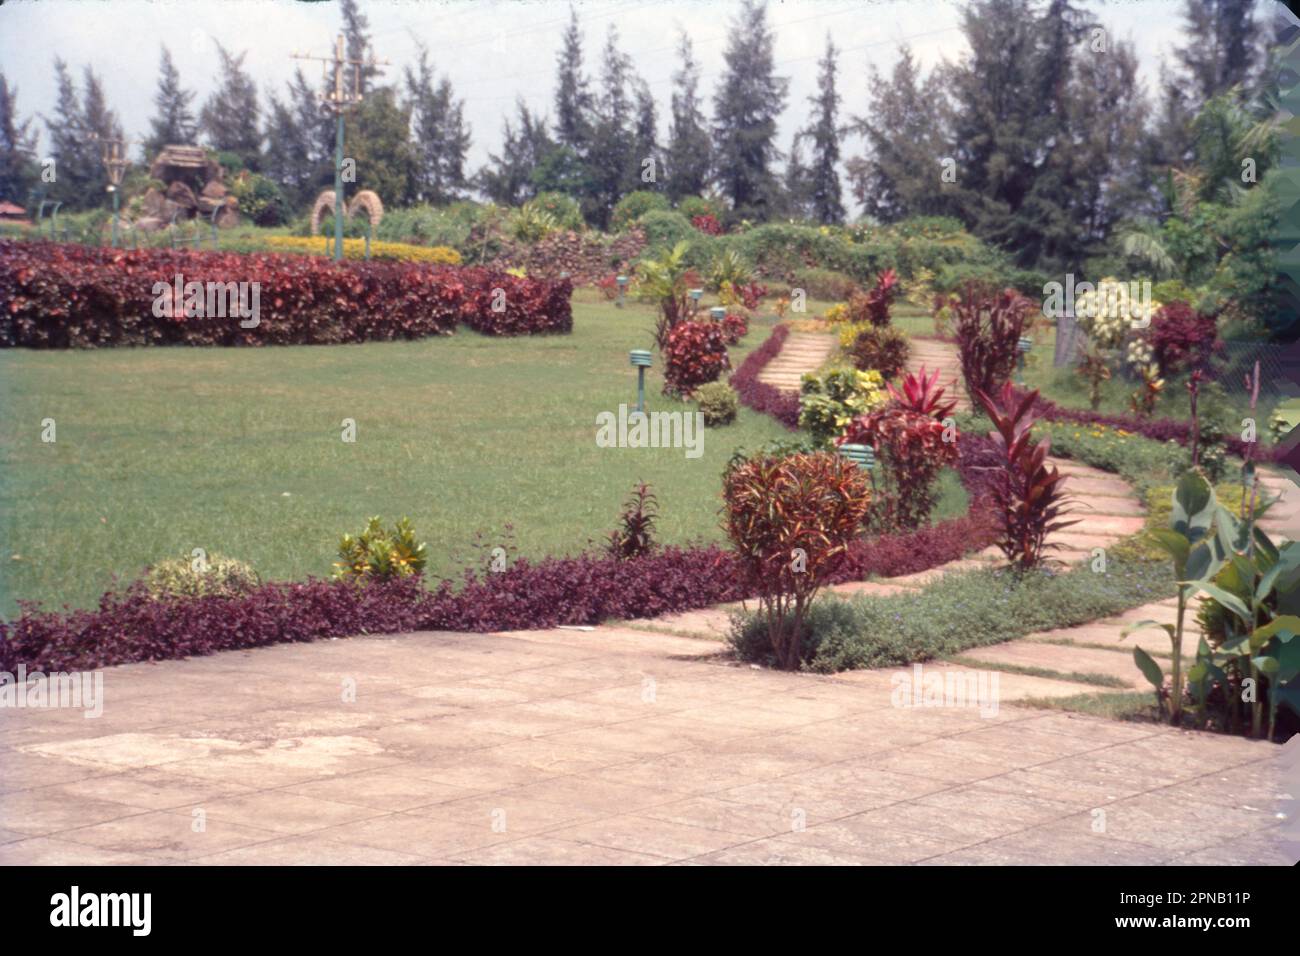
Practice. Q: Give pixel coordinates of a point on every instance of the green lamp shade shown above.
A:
(639, 358)
(1025, 344)
(864, 456)
(621, 280)
(697, 294)
(718, 313)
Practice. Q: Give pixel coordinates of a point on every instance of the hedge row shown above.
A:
(67, 296)
(131, 625)
(761, 397)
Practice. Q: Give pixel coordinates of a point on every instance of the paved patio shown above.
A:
(602, 747)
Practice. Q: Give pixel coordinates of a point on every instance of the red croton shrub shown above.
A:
(707, 224)
(735, 327)
(988, 325)
(1182, 338)
(791, 521)
(58, 295)
(1027, 492)
(910, 436)
(695, 353)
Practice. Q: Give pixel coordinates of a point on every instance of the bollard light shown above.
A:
(696, 295)
(640, 359)
(717, 313)
(1023, 347)
(622, 290)
(864, 456)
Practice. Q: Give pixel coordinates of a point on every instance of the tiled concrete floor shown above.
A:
(617, 747)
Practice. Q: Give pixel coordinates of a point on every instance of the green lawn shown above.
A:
(482, 442)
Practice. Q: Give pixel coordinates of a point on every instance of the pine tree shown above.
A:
(99, 124)
(357, 44)
(746, 105)
(573, 99)
(797, 187)
(293, 159)
(645, 141)
(173, 121)
(74, 158)
(18, 171)
(441, 139)
(1220, 52)
(690, 152)
(507, 179)
(229, 119)
(824, 191)
(377, 134)
(610, 157)
(904, 129)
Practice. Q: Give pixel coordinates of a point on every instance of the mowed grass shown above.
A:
(481, 442)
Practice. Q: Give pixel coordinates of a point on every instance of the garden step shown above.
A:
(1060, 658)
(1078, 540)
(920, 579)
(1109, 524)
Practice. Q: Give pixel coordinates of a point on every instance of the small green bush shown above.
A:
(563, 209)
(200, 576)
(960, 611)
(629, 210)
(824, 284)
(692, 206)
(884, 350)
(718, 403)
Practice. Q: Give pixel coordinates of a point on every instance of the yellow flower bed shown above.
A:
(356, 249)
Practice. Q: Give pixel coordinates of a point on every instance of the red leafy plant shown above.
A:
(873, 306)
(708, 224)
(751, 294)
(635, 537)
(988, 325)
(1027, 493)
(694, 353)
(760, 396)
(1182, 338)
(915, 444)
(791, 521)
(734, 327)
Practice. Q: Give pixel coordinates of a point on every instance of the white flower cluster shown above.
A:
(1110, 310)
(1140, 353)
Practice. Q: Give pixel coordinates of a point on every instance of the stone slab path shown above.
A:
(932, 354)
(802, 352)
(567, 747)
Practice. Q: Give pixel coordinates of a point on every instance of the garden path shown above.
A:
(802, 352)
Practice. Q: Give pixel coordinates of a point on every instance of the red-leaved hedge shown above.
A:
(761, 397)
(58, 295)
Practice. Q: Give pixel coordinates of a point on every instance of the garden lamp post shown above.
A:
(696, 295)
(114, 158)
(1023, 347)
(622, 290)
(717, 313)
(640, 359)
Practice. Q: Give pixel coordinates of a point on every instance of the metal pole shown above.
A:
(338, 150)
(640, 389)
(116, 200)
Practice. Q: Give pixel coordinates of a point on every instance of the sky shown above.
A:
(493, 50)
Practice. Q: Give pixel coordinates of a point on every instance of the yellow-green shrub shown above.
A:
(198, 576)
(356, 249)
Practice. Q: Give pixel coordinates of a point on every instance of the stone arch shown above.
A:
(368, 202)
(323, 206)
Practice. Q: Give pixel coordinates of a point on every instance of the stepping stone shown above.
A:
(707, 623)
(1087, 506)
(870, 589)
(1060, 658)
(1097, 487)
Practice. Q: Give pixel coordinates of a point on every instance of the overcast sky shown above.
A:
(493, 50)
